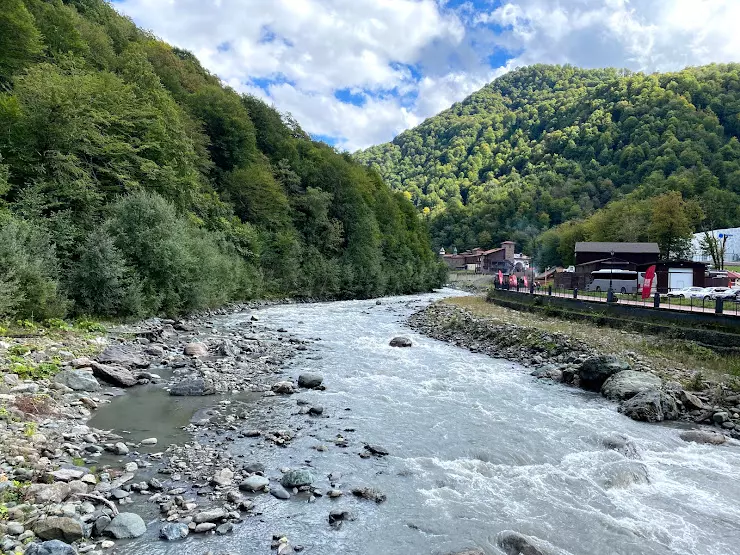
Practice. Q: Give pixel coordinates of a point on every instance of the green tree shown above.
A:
(672, 224)
(20, 40)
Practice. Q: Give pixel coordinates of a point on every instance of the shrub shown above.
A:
(30, 272)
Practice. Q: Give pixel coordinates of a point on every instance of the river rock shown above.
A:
(254, 483)
(284, 388)
(400, 342)
(211, 515)
(101, 523)
(474, 551)
(120, 448)
(310, 380)
(149, 441)
(204, 527)
(193, 387)
(67, 474)
(126, 525)
(622, 474)
(114, 375)
(621, 444)
(196, 349)
(79, 380)
(297, 478)
(514, 543)
(628, 383)
(279, 492)
(691, 401)
(701, 436)
(14, 528)
(594, 371)
(225, 528)
(223, 477)
(59, 528)
(122, 355)
(174, 531)
(254, 468)
(650, 406)
(51, 547)
(48, 493)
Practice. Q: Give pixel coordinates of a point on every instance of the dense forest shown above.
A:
(550, 155)
(133, 182)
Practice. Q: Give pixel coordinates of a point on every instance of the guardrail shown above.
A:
(728, 307)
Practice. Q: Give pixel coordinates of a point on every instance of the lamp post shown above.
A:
(610, 293)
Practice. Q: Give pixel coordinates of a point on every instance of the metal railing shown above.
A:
(706, 304)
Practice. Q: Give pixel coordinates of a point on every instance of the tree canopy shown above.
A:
(133, 182)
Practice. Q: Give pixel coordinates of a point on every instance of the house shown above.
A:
(635, 253)
(489, 261)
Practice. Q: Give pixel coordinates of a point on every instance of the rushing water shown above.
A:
(477, 446)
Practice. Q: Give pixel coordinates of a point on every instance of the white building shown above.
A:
(732, 247)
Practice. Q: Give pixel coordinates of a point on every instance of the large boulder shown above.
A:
(51, 547)
(297, 478)
(514, 543)
(114, 375)
(310, 380)
(59, 528)
(621, 444)
(122, 355)
(48, 493)
(193, 387)
(624, 473)
(653, 405)
(701, 436)
(594, 371)
(126, 525)
(628, 383)
(79, 380)
(400, 342)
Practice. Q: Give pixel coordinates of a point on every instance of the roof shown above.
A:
(648, 248)
(484, 253)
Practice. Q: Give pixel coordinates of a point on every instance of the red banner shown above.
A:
(500, 277)
(526, 283)
(647, 285)
(512, 280)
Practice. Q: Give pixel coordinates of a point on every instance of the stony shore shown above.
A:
(625, 378)
(65, 487)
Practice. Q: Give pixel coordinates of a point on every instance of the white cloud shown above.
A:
(410, 59)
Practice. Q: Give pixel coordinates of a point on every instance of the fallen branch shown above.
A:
(110, 504)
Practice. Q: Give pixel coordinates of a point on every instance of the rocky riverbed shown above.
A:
(626, 378)
(67, 487)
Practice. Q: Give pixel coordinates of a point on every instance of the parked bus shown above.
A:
(622, 281)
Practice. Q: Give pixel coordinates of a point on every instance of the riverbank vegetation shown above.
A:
(674, 359)
(132, 182)
(599, 155)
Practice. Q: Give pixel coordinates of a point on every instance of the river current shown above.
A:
(477, 446)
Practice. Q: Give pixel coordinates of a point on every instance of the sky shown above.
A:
(355, 73)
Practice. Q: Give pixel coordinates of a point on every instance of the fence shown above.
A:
(704, 304)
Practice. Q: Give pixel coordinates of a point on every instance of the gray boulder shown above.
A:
(48, 493)
(297, 478)
(400, 342)
(621, 444)
(124, 356)
(701, 436)
(310, 380)
(514, 543)
(196, 349)
(193, 387)
(51, 547)
(211, 515)
(650, 406)
(594, 371)
(622, 474)
(628, 383)
(126, 525)
(114, 375)
(254, 483)
(279, 492)
(79, 380)
(59, 528)
(691, 401)
(174, 531)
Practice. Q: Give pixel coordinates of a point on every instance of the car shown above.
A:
(687, 293)
(731, 294)
(714, 292)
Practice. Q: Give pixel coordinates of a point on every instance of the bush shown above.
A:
(29, 285)
(180, 267)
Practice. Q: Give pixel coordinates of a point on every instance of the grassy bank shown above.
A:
(672, 358)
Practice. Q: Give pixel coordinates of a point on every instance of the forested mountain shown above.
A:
(132, 182)
(545, 145)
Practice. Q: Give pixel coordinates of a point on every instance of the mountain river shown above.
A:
(477, 446)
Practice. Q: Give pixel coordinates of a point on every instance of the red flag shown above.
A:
(500, 277)
(512, 280)
(526, 284)
(647, 285)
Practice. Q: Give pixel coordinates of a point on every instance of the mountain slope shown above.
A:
(133, 182)
(545, 145)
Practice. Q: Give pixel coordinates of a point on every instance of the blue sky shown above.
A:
(357, 72)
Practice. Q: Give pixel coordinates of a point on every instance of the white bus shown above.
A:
(622, 281)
